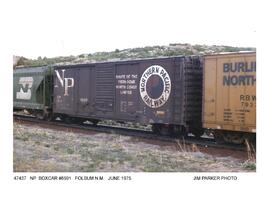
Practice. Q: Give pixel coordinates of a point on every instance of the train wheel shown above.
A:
(208, 132)
(179, 130)
(166, 130)
(222, 137)
(78, 120)
(95, 122)
(234, 138)
(48, 117)
(219, 137)
(169, 130)
(40, 115)
(156, 128)
(68, 120)
(198, 132)
(31, 112)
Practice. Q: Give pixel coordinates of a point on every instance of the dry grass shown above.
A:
(184, 148)
(251, 151)
(44, 150)
(251, 154)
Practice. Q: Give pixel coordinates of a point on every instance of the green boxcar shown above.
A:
(32, 89)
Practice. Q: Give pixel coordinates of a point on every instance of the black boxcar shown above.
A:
(164, 92)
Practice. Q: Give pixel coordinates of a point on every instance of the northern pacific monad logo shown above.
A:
(155, 86)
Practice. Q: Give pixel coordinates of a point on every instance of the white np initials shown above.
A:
(65, 82)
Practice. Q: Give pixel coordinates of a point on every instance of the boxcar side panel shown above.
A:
(229, 101)
(83, 86)
(209, 105)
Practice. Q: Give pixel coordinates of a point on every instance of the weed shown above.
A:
(249, 165)
(22, 137)
(195, 148)
(251, 152)
(56, 148)
(70, 151)
(37, 142)
(183, 147)
(47, 145)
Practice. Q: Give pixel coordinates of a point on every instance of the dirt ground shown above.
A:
(45, 150)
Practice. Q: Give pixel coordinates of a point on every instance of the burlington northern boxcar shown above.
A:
(229, 96)
(164, 92)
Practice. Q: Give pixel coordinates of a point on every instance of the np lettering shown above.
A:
(65, 82)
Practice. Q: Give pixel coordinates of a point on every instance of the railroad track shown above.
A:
(145, 134)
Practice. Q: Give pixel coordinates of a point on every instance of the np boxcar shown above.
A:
(229, 98)
(164, 92)
(32, 90)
